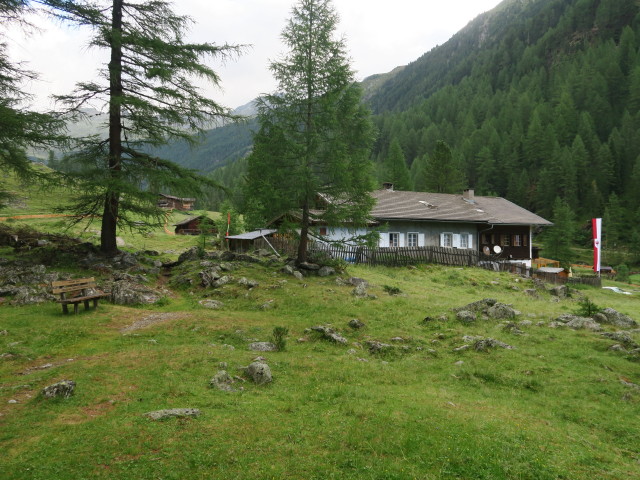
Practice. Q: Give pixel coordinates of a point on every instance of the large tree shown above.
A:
(21, 127)
(315, 134)
(444, 174)
(149, 92)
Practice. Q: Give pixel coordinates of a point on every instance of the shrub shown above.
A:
(586, 308)
(279, 337)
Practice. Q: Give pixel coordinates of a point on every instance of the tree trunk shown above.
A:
(304, 234)
(108, 243)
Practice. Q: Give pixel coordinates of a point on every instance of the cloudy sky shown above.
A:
(380, 36)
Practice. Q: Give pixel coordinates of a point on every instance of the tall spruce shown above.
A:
(395, 167)
(148, 90)
(21, 127)
(315, 135)
(443, 172)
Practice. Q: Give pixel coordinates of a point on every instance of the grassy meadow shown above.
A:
(553, 407)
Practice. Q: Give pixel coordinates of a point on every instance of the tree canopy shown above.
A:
(315, 135)
(149, 92)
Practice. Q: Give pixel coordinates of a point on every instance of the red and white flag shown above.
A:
(596, 224)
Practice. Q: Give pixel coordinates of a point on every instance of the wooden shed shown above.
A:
(246, 242)
(191, 226)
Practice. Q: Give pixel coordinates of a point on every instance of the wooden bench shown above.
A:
(76, 292)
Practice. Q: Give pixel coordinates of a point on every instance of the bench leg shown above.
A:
(75, 307)
(86, 304)
(65, 309)
(95, 303)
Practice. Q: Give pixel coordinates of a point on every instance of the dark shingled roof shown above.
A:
(445, 207)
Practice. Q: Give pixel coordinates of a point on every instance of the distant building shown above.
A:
(175, 203)
(191, 226)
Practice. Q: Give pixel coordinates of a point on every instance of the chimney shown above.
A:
(387, 186)
(469, 195)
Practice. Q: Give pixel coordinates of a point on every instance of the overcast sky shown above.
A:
(381, 35)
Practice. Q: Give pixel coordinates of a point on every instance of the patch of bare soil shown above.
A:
(154, 319)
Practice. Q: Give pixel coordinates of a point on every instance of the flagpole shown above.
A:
(596, 225)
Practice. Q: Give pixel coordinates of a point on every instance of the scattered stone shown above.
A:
(397, 339)
(312, 267)
(248, 283)
(326, 271)
(331, 334)
(479, 306)
(298, 275)
(559, 291)
(4, 332)
(124, 292)
(352, 351)
(221, 281)
(212, 304)
(62, 389)
(259, 358)
(525, 323)
(209, 276)
(532, 292)
(621, 337)
(376, 347)
(512, 328)
(360, 291)
(12, 401)
(459, 362)
(487, 343)
(153, 319)
(501, 311)
(462, 348)
(222, 381)
(173, 412)
(259, 372)
(612, 317)
(355, 281)
(617, 348)
(267, 305)
(578, 323)
(627, 383)
(466, 316)
(356, 324)
(288, 269)
(263, 347)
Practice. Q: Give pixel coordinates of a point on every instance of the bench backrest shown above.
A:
(76, 285)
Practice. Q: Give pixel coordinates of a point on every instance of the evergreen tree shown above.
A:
(395, 167)
(20, 127)
(148, 91)
(560, 236)
(443, 172)
(315, 135)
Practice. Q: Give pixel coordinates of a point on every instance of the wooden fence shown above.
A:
(391, 256)
(402, 256)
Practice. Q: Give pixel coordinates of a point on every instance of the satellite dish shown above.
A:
(497, 249)
(486, 250)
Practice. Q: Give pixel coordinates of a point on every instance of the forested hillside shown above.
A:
(537, 99)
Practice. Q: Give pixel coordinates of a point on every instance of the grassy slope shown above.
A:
(553, 407)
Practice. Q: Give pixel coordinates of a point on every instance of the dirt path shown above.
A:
(44, 215)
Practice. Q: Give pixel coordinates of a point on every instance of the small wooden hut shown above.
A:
(191, 226)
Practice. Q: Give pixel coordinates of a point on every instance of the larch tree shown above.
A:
(21, 127)
(148, 88)
(315, 134)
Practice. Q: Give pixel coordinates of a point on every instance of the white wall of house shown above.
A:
(343, 234)
(436, 234)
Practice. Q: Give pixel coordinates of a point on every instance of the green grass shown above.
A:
(553, 407)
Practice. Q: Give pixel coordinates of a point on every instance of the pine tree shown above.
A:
(315, 135)
(560, 236)
(148, 91)
(20, 127)
(443, 172)
(395, 167)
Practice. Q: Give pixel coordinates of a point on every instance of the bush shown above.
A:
(586, 308)
(279, 338)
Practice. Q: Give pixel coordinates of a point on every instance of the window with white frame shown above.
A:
(464, 240)
(394, 239)
(446, 239)
(412, 239)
